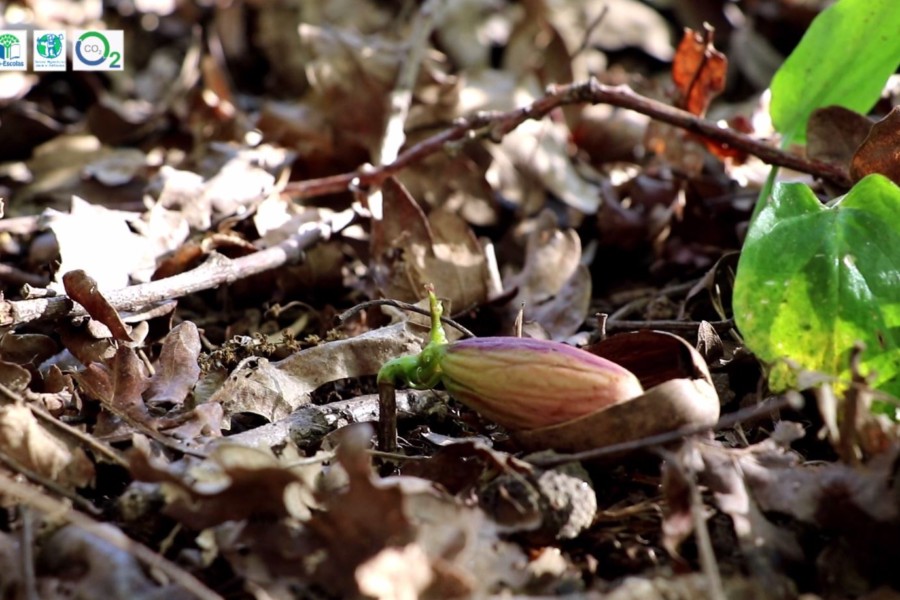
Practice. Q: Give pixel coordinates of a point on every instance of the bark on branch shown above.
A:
(497, 124)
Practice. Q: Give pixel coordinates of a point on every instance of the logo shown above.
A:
(98, 50)
(49, 50)
(13, 50)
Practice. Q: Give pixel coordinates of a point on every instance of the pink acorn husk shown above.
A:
(525, 383)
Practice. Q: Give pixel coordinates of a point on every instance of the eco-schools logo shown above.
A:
(13, 50)
(98, 50)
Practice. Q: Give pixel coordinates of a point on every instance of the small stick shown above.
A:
(402, 306)
(708, 563)
(387, 417)
(666, 325)
(217, 270)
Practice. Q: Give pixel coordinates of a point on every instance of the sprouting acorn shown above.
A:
(519, 383)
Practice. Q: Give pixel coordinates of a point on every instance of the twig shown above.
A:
(394, 135)
(342, 318)
(589, 30)
(28, 575)
(666, 325)
(644, 299)
(217, 270)
(730, 420)
(48, 505)
(592, 92)
(387, 417)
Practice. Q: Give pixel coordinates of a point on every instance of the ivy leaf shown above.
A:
(814, 279)
(844, 59)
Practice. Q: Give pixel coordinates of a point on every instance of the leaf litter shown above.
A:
(183, 415)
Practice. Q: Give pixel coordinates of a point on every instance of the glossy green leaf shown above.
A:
(813, 279)
(845, 58)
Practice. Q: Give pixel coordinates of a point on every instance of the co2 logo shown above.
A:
(98, 51)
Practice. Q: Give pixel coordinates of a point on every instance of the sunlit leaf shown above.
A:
(844, 58)
(814, 279)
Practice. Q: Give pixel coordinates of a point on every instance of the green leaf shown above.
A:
(845, 58)
(813, 279)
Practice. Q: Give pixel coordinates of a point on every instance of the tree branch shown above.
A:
(217, 270)
(592, 91)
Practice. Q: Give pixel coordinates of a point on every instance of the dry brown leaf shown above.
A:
(98, 240)
(274, 390)
(177, 369)
(410, 250)
(82, 288)
(880, 151)
(203, 421)
(554, 287)
(27, 348)
(698, 70)
(234, 483)
(13, 376)
(91, 567)
(23, 439)
(834, 133)
(455, 546)
(119, 386)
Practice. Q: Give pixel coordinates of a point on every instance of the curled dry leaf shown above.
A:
(679, 393)
(698, 70)
(82, 288)
(554, 286)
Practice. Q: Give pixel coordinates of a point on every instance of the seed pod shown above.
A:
(524, 383)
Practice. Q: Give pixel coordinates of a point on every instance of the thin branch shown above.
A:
(707, 555)
(666, 325)
(217, 270)
(592, 91)
(342, 318)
